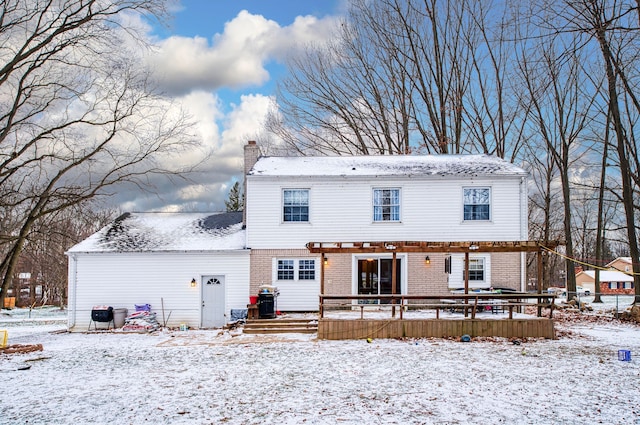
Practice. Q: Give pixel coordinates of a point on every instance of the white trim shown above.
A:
(372, 207)
(490, 188)
(354, 269)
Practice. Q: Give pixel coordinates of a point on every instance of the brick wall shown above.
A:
(505, 270)
(261, 264)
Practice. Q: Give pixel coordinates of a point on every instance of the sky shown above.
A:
(221, 61)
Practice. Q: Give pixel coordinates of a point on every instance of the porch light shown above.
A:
(427, 260)
(473, 247)
(193, 283)
(325, 260)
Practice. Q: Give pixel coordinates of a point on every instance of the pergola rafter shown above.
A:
(465, 247)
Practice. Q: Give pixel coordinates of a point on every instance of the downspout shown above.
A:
(73, 283)
(523, 233)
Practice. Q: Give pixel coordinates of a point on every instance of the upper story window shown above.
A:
(386, 204)
(295, 205)
(477, 203)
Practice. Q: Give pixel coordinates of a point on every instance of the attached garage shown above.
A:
(192, 269)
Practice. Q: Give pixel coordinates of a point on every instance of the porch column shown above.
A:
(466, 281)
(393, 284)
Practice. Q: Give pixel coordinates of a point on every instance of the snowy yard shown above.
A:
(212, 377)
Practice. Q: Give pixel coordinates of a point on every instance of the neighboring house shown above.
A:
(291, 201)
(611, 282)
(195, 264)
(622, 264)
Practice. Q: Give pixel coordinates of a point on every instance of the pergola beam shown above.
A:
(427, 247)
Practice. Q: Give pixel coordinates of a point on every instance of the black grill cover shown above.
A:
(102, 315)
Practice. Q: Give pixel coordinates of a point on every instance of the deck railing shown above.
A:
(466, 303)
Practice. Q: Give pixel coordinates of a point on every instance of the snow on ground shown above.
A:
(212, 377)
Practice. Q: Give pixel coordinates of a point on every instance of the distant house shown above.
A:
(611, 282)
(622, 264)
(356, 200)
(195, 264)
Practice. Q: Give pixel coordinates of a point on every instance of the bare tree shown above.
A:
(78, 115)
(560, 115)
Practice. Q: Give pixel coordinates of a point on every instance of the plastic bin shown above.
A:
(624, 355)
(119, 314)
(143, 307)
(266, 306)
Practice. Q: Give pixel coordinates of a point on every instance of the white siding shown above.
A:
(341, 210)
(296, 295)
(456, 278)
(122, 280)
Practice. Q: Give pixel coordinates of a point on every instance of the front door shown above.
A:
(213, 301)
(375, 277)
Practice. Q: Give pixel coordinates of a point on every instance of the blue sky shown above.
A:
(220, 60)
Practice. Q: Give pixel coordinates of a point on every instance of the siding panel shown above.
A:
(122, 280)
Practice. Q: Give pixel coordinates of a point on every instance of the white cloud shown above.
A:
(225, 136)
(237, 57)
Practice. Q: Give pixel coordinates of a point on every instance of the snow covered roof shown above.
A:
(622, 259)
(157, 232)
(387, 165)
(609, 276)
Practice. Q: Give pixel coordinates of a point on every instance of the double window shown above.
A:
(295, 205)
(386, 204)
(296, 269)
(477, 203)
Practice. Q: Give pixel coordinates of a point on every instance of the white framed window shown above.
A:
(386, 205)
(295, 205)
(476, 270)
(628, 285)
(613, 285)
(477, 203)
(296, 269)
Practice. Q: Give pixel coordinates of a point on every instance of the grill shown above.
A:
(101, 314)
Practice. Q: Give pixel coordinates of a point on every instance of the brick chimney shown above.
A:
(251, 156)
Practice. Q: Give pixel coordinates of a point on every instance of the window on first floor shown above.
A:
(628, 285)
(291, 269)
(613, 285)
(476, 269)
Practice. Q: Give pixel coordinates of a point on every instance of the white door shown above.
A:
(213, 301)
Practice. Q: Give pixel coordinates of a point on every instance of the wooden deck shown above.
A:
(337, 329)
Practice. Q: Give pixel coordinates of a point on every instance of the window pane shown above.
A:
(285, 269)
(476, 203)
(306, 270)
(476, 269)
(386, 205)
(296, 205)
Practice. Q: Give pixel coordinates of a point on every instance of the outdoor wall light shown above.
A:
(427, 260)
(325, 260)
(193, 283)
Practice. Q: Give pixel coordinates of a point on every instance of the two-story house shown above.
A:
(195, 268)
(292, 201)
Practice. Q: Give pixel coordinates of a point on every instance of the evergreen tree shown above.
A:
(235, 202)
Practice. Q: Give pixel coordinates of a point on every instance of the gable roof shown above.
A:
(389, 165)
(166, 232)
(621, 259)
(608, 276)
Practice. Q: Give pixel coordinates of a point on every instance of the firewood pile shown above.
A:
(20, 348)
(632, 314)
